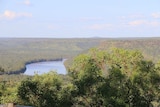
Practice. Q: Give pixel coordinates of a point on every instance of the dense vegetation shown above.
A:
(15, 53)
(149, 47)
(103, 77)
(98, 78)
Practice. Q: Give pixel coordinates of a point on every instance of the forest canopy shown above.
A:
(15, 53)
(97, 78)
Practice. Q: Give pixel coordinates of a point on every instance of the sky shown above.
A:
(79, 18)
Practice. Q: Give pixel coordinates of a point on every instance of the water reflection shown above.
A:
(44, 67)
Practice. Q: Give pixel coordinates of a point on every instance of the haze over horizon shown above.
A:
(79, 19)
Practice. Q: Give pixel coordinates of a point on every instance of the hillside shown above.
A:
(14, 53)
(150, 47)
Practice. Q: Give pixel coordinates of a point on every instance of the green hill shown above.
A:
(150, 47)
(15, 53)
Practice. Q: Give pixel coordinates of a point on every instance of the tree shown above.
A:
(118, 78)
(87, 76)
(99, 78)
(8, 93)
(42, 91)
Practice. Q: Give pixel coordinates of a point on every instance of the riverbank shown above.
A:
(22, 70)
(14, 52)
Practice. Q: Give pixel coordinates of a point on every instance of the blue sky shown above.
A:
(79, 18)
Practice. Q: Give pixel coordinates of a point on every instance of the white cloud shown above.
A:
(13, 15)
(143, 22)
(101, 26)
(137, 22)
(27, 2)
(133, 16)
(91, 18)
(9, 14)
(155, 15)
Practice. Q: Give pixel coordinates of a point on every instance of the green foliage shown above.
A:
(14, 53)
(9, 96)
(125, 60)
(8, 88)
(98, 78)
(44, 91)
(87, 77)
(131, 80)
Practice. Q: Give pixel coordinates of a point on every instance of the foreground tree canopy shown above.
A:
(99, 78)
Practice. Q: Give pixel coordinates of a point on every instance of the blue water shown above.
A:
(44, 67)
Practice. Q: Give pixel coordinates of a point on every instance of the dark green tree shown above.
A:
(118, 78)
(44, 91)
(87, 76)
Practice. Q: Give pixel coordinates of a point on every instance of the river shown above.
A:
(44, 67)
